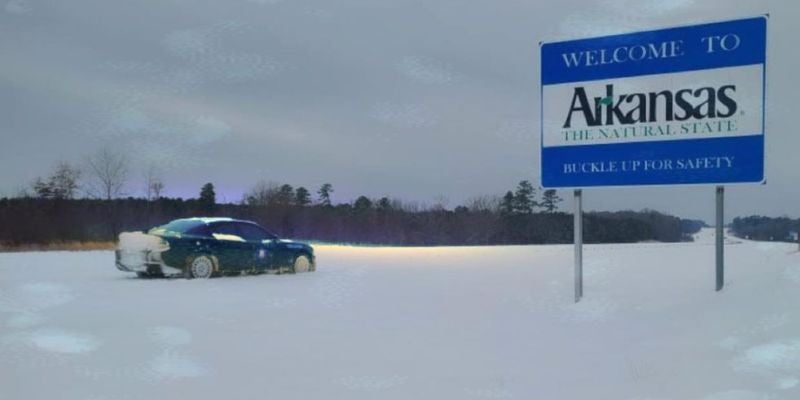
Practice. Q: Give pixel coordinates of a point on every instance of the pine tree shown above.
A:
(302, 197)
(362, 204)
(208, 198)
(550, 200)
(285, 194)
(507, 204)
(384, 204)
(524, 198)
(324, 193)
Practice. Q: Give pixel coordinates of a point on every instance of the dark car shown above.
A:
(203, 247)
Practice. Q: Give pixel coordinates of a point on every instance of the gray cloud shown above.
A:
(412, 99)
(19, 7)
(425, 71)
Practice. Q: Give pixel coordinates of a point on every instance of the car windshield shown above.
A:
(181, 225)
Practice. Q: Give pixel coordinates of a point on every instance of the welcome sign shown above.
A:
(681, 105)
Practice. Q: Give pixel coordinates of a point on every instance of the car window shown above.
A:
(181, 225)
(200, 230)
(252, 232)
(226, 231)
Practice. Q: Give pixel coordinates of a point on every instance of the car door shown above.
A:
(231, 249)
(262, 244)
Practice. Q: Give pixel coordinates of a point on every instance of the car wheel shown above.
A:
(301, 264)
(201, 267)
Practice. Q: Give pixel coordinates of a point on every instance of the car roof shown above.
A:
(211, 220)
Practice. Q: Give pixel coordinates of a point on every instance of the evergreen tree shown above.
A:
(362, 204)
(208, 198)
(302, 197)
(507, 204)
(324, 193)
(550, 200)
(285, 194)
(384, 204)
(524, 198)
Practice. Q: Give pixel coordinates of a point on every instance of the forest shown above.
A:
(485, 221)
(756, 227)
(67, 206)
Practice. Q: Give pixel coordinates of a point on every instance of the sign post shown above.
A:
(720, 236)
(674, 106)
(578, 233)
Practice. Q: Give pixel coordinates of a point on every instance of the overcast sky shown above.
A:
(412, 99)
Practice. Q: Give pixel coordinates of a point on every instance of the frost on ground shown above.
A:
(402, 323)
(57, 341)
(168, 337)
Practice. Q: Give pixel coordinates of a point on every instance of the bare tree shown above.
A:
(262, 194)
(61, 184)
(109, 172)
(154, 185)
(440, 203)
(23, 192)
(65, 180)
(157, 188)
(488, 203)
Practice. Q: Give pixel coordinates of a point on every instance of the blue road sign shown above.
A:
(681, 105)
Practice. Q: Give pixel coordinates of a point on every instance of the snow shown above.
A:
(138, 241)
(224, 236)
(62, 342)
(401, 323)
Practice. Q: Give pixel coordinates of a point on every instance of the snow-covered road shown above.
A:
(411, 323)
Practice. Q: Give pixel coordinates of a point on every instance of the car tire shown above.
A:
(302, 264)
(201, 267)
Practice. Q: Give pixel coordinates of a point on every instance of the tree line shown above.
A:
(756, 227)
(54, 210)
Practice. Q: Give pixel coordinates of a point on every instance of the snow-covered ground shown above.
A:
(411, 323)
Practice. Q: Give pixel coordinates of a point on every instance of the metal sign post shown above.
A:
(578, 239)
(720, 236)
